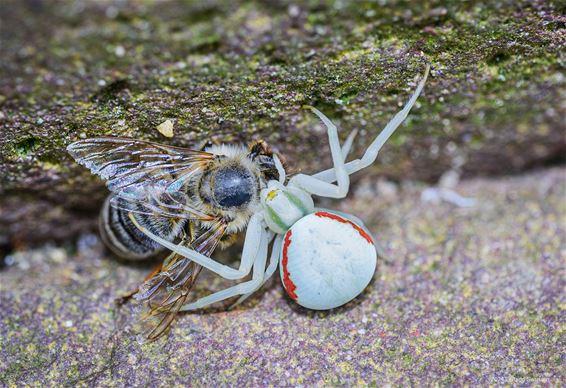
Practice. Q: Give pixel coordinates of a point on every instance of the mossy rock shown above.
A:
(236, 71)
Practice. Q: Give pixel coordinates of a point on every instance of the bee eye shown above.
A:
(233, 187)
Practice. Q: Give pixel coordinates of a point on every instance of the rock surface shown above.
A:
(234, 71)
(468, 296)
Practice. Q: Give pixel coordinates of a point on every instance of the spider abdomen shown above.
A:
(326, 260)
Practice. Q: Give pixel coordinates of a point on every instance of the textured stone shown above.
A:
(467, 296)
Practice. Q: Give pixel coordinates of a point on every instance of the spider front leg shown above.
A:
(242, 288)
(252, 242)
(273, 261)
(316, 186)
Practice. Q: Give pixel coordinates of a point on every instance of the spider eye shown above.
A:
(233, 187)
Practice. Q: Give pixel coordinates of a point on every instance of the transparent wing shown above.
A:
(206, 242)
(156, 200)
(167, 291)
(150, 178)
(146, 177)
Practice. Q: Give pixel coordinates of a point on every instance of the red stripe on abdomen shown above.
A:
(289, 285)
(345, 221)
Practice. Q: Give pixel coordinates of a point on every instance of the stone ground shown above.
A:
(241, 70)
(467, 296)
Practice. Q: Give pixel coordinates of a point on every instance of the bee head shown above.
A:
(262, 155)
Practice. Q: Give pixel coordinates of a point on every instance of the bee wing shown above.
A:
(163, 320)
(175, 272)
(157, 201)
(167, 291)
(206, 243)
(165, 300)
(146, 177)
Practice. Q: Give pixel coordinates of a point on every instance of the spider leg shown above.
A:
(252, 242)
(347, 146)
(370, 155)
(319, 187)
(273, 261)
(280, 169)
(242, 288)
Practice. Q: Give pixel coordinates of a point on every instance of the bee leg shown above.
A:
(242, 288)
(370, 155)
(317, 186)
(273, 261)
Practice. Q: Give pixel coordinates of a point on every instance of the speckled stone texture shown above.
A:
(241, 70)
(471, 296)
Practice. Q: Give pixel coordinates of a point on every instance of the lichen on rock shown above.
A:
(467, 297)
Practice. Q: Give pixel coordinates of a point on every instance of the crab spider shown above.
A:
(302, 234)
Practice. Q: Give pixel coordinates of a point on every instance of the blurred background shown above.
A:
(468, 288)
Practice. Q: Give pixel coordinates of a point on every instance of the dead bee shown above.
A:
(201, 199)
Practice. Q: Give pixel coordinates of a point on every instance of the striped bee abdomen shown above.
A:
(124, 239)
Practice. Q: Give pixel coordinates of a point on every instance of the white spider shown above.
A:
(330, 258)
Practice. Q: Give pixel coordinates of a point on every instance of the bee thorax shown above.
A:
(234, 187)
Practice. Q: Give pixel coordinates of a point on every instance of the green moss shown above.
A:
(26, 146)
(28, 361)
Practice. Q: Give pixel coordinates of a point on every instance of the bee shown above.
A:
(199, 198)
(225, 186)
(190, 202)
